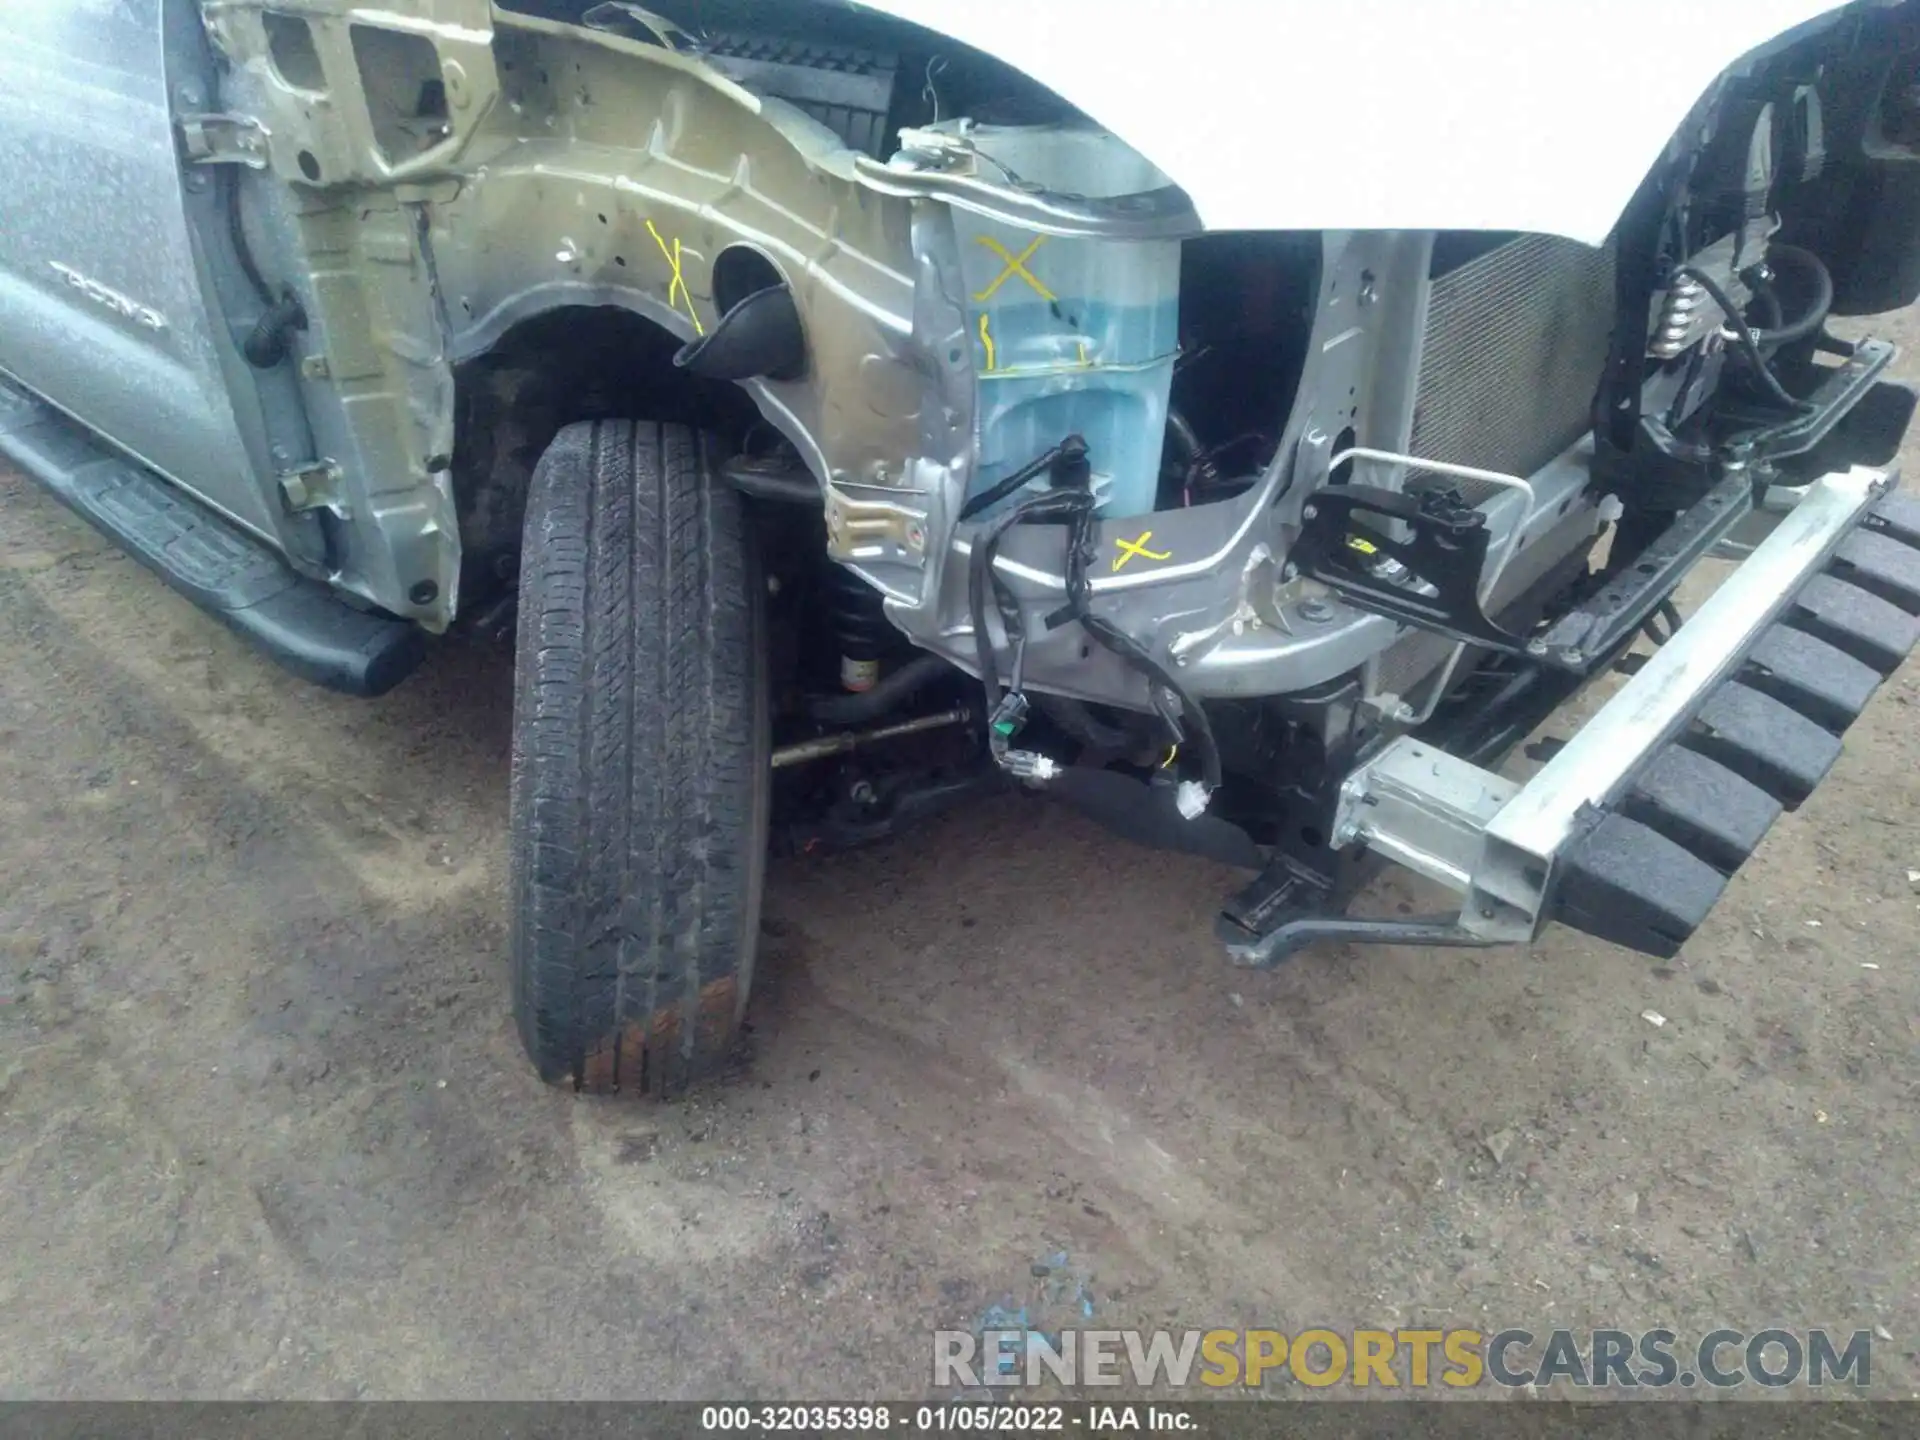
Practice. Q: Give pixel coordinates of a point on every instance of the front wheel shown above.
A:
(640, 761)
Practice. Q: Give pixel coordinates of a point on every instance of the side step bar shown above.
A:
(222, 569)
(1632, 830)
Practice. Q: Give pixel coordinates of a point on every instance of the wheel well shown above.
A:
(576, 362)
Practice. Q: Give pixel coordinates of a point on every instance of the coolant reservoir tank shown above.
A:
(1070, 336)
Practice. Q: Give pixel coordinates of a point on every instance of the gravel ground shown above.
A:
(265, 1130)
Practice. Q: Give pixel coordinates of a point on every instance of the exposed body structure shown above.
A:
(859, 406)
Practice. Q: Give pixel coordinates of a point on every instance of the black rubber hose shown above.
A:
(1816, 313)
(759, 336)
(1070, 452)
(891, 691)
(237, 233)
(1160, 682)
(985, 542)
(267, 343)
(1198, 728)
(1749, 342)
(271, 338)
(799, 488)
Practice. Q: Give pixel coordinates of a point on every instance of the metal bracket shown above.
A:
(1432, 579)
(217, 139)
(1839, 390)
(1585, 637)
(314, 486)
(945, 165)
(1423, 808)
(868, 522)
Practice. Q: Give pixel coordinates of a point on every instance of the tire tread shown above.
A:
(639, 761)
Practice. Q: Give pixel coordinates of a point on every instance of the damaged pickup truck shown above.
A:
(1246, 424)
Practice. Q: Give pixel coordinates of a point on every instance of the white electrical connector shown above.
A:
(1190, 799)
(1029, 765)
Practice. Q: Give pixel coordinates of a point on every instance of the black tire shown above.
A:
(640, 761)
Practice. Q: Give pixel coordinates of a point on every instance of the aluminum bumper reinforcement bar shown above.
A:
(1632, 830)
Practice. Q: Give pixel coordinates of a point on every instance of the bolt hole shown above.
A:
(603, 219)
(1310, 835)
(290, 44)
(309, 166)
(621, 261)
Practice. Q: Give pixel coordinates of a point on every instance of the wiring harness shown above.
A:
(1069, 503)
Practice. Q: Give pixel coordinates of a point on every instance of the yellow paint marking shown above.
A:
(1130, 548)
(1015, 265)
(986, 339)
(1365, 547)
(1083, 353)
(677, 292)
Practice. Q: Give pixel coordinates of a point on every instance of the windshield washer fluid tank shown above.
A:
(1070, 336)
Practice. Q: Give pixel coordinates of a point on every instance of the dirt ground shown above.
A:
(265, 1130)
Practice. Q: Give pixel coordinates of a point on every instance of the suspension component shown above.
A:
(822, 746)
(862, 634)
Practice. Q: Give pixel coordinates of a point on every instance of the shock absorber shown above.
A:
(861, 632)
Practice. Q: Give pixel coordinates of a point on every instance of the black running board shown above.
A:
(225, 571)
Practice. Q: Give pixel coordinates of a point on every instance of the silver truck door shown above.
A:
(101, 307)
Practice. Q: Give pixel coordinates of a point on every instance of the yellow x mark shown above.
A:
(1130, 548)
(677, 292)
(1015, 265)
